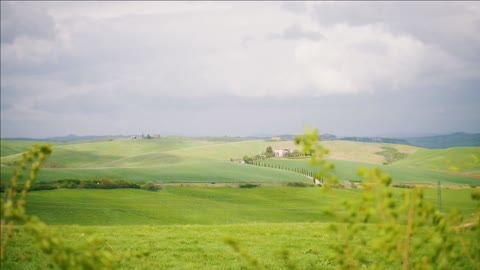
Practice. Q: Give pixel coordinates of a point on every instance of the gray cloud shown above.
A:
(207, 68)
(295, 32)
(294, 6)
(20, 19)
(448, 25)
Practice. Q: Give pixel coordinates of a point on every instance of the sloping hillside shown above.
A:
(362, 151)
(458, 159)
(180, 159)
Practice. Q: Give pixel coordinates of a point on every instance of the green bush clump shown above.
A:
(68, 183)
(38, 187)
(402, 186)
(106, 183)
(103, 183)
(299, 184)
(247, 186)
(150, 186)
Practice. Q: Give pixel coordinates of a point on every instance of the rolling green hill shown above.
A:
(181, 159)
(10, 147)
(458, 159)
(347, 170)
(201, 171)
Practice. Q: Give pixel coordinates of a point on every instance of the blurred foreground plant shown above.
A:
(408, 232)
(87, 255)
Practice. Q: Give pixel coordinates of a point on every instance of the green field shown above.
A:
(201, 171)
(347, 170)
(181, 159)
(458, 159)
(201, 246)
(185, 227)
(192, 246)
(176, 205)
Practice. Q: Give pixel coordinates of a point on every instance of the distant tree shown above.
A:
(150, 186)
(269, 152)
(248, 160)
(294, 154)
(148, 136)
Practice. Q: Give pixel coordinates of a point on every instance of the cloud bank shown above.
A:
(112, 67)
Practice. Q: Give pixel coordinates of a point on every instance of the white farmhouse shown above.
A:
(282, 152)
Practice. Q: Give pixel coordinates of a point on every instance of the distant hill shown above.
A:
(68, 138)
(459, 139)
(375, 139)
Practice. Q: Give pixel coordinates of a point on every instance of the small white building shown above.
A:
(282, 152)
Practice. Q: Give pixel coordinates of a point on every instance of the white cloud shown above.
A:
(350, 59)
(65, 58)
(210, 49)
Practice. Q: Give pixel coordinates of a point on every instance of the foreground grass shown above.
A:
(308, 246)
(186, 227)
(191, 246)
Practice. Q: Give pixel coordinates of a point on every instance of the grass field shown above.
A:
(200, 171)
(347, 170)
(205, 205)
(192, 246)
(185, 227)
(459, 159)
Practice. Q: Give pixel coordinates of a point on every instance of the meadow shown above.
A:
(176, 205)
(185, 227)
(185, 224)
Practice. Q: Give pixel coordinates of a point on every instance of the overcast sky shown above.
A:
(239, 68)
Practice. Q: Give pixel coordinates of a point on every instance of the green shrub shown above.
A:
(247, 186)
(150, 186)
(38, 187)
(105, 183)
(299, 184)
(402, 185)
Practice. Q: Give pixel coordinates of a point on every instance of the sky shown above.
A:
(239, 68)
